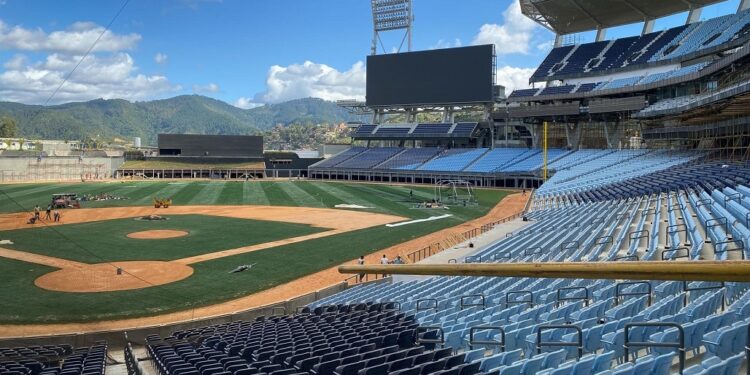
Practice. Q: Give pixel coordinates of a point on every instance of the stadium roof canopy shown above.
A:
(572, 16)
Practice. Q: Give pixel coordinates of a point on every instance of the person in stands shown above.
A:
(384, 260)
(398, 260)
(361, 262)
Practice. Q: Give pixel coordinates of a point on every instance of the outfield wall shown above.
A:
(57, 168)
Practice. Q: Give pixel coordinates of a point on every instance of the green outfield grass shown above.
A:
(22, 302)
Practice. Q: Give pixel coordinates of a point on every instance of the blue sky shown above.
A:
(247, 52)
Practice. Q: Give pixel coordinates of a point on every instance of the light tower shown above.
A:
(391, 15)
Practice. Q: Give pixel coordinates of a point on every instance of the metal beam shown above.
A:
(738, 271)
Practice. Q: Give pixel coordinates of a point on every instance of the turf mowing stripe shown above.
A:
(349, 198)
(300, 196)
(188, 193)
(313, 188)
(209, 194)
(253, 193)
(275, 195)
(231, 194)
(165, 191)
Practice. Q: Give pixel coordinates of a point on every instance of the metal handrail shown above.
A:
(679, 345)
(704, 202)
(606, 239)
(564, 246)
(740, 248)
(472, 258)
(433, 307)
(585, 298)
(619, 294)
(672, 229)
(732, 197)
(536, 250)
(472, 296)
(440, 340)
(540, 343)
(530, 301)
(500, 343)
(710, 223)
(747, 350)
(686, 288)
(453, 260)
(674, 255)
(505, 255)
(624, 257)
(632, 236)
(396, 305)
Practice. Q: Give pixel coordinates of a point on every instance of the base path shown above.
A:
(509, 206)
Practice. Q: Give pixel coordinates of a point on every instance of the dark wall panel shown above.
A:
(211, 145)
(441, 76)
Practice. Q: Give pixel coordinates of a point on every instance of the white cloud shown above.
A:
(546, 46)
(513, 36)
(313, 80)
(514, 78)
(246, 103)
(15, 62)
(161, 58)
(78, 38)
(447, 44)
(105, 77)
(207, 88)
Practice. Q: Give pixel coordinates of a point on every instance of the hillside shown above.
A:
(108, 119)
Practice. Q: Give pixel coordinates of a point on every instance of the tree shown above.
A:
(8, 127)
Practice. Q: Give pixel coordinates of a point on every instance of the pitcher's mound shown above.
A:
(157, 234)
(103, 277)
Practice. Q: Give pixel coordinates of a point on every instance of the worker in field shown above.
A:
(37, 212)
(48, 213)
(56, 215)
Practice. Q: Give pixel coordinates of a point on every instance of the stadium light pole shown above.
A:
(390, 15)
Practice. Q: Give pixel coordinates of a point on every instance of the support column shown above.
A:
(536, 134)
(648, 26)
(611, 132)
(744, 5)
(573, 135)
(694, 15)
(559, 38)
(601, 33)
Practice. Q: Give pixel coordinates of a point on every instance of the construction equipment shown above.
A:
(159, 203)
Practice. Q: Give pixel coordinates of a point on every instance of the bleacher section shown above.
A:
(370, 157)
(367, 339)
(410, 159)
(514, 313)
(610, 168)
(455, 159)
(681, 41)
(53, 360)
(415, 131)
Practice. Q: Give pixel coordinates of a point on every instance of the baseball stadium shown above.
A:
(595, 223)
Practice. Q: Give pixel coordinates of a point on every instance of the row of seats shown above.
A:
(362, 339)
(596, 57)
(53, 360)
(461, 129)
(478, 160)
(679, 103)
(612, 83)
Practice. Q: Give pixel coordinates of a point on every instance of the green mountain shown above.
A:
(195, 114)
